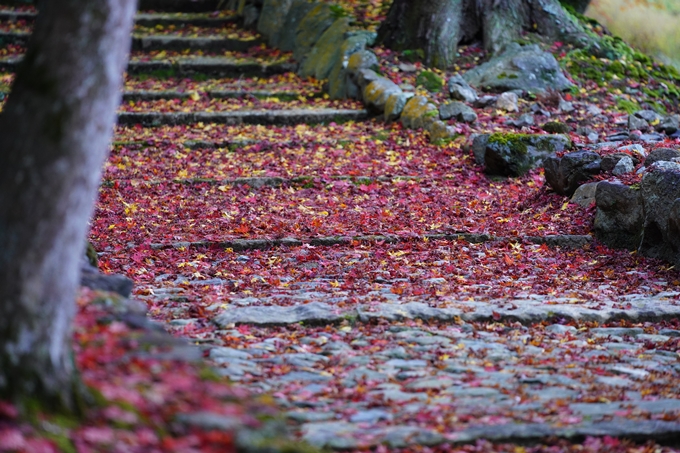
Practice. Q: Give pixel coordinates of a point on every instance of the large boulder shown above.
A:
(564, 174)
(416, 112)
(272, 19)
(340, 84)
(519, 68)
(460, 90)
(659, 189)
(515, 154)
(376, 93)
(661, 154)
(326, 52)
(395, 105)
(619, 215)
(458, 111)
(288, 32)
(310, 29)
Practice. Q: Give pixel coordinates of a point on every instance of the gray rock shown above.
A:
(514, 155)
(614, 381)
(272, 19)
(564, 174)
(439, 130)
(637, 124)
(312, 312)
(415, 109)
(560, 329)
(91, 278)
(476, 392)
(524, 120)
(669, 125)
(365, 77)
(585, 194)
(519, 68)
(565, 106)
(371, 416)
(507, 101)
(609, 161)
(485, 101)
(376, 93)
(338, 435)
(436, 383)
(623, 166)
(395, 105)
(406, 364)
(210, 421)
(297, 10)
(619, 215)
(326, 52)
(478, 146)
(457, 110)
(310, 416)
(659, 190)
(460, 90)
(341, 81)
(229, 353)
(661, 154)
(617, 331)
(650, 116)
(403, 436)
(310, 29)
(303, 376)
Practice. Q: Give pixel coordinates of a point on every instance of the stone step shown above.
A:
(143, 19)
(207, 44)
(144, 95)
(161, 42)
(563, 240)
(264, 117)
(205, 66)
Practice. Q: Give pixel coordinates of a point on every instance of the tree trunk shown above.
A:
(54, 135)
(438, 26)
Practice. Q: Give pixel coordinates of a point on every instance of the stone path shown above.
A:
(380, 337)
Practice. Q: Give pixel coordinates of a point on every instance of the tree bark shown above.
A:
(54, 135)
(438, 26)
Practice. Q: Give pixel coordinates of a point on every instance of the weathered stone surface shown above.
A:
(609, 162)
(288, 32)
(637, 124)
(565, 174)
(364, 77)
(619, 215)
(395, 105)
(526, 119)
(340, 84)
(272, 19)
(439, 130)
(660, 189)
(326, 52)
(661, 154)
(310, 29)
(313, 312)
(584, 195)
(650, 116)
(515, 154)
(478, 146)
(457, 110)
(460, 90)
(376, 93)
(623, 166)
(507, 101)
(519, 68)
(669, 124)
(91, 278)
(415, 108)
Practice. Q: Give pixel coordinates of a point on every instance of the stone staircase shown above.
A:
(349, 267)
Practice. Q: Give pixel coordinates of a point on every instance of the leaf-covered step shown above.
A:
(147, 95)
(265, 117)
(209, 44)
(18, 38)
(184, 6)
(187, 67)
(205, 211)
(22, 18)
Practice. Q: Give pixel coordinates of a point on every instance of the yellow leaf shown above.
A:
(195, 96)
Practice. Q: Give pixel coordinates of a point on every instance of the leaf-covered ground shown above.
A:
(178, 202)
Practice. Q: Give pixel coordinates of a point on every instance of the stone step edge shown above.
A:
(263, 117)
(143, 19)
(228, 144)
(180, 67)
(524, 434)
(145, 95)
(565, 240)
(257, 182)
(648, 309)
(162, 42)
